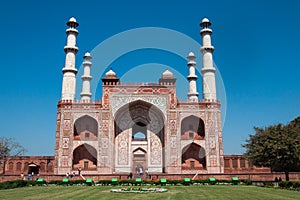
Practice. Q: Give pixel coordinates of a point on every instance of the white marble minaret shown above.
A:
(208, 70)
(69, 71)
(192, 77)
(86, 77)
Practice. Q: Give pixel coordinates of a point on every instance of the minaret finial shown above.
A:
(70, 71)
(205, 23)
(208, 70)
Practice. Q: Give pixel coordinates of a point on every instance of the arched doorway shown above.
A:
(139, 125)
(85, 156)
(33, 168)
(139, 161)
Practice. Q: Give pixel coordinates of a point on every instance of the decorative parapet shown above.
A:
(205, 103)
(82, 104)
(137, 84)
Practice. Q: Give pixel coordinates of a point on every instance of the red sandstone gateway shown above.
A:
(137, 126)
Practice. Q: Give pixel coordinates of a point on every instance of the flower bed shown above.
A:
(139, 190)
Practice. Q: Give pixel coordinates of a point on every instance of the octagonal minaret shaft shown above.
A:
(69, 71)
(208, 70)
(86, 77)
(192, 77)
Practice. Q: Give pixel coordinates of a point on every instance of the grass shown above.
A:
(175, 192)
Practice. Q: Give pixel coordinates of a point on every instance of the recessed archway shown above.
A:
(85, 156)
(193, 157)
(85, 128)
(192, 127)
(139, 124)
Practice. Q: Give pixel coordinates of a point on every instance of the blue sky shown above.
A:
(256, 51)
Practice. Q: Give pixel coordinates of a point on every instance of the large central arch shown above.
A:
(146, 119)
(137, 112)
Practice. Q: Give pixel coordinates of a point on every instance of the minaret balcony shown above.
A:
(85, 94)
(192, 77)
(71, 49)
(196, 94)
(206, 69)
(67, 69)
(72, 30)
(86, 77)
(88, 63)
(207, 49)
(206, 30)
(191, 63)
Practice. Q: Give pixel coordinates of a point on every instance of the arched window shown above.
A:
(26, 166)
(139, 131)
(42, 166)
(49, 167)
(10, 166)
(19, 166)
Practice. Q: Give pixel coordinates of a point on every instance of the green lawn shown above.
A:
(175, 192)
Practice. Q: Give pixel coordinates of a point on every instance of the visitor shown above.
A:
(22, 176)
(28, 176)
(67, 175)
(79, 170)
(130, 176)
(276, 182)
(141, 171)
(147, 173)
(73, 175)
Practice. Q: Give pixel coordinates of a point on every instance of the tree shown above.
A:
(9, 147)
(276, 146)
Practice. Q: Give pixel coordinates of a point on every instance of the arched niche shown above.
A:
(85, 128)
(192, 127)
(193, 156)
(85, 156)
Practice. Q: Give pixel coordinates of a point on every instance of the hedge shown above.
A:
(290, 184)
(25, 183)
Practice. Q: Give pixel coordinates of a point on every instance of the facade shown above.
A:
(141, 126)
